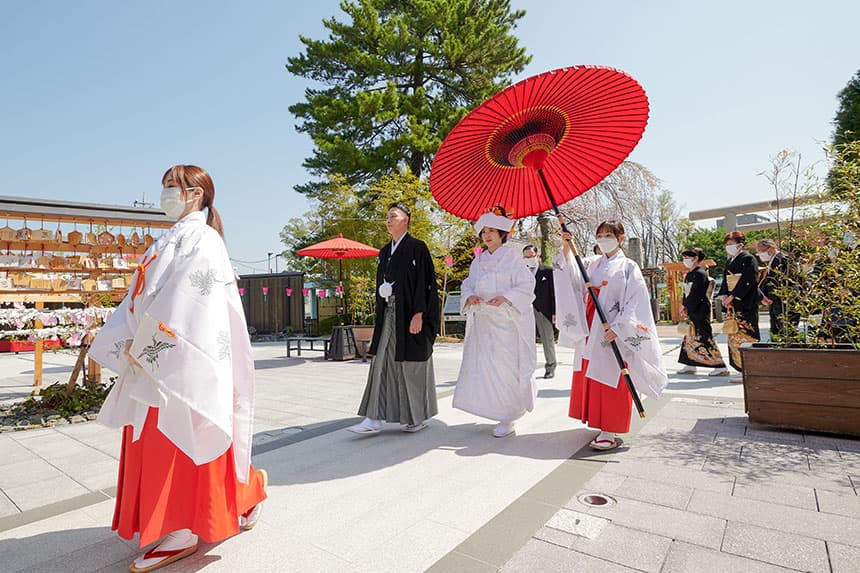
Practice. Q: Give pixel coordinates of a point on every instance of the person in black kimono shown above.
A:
(740, 296)
(772, 285)
(401, 386)
(544, 306)
(698, 348)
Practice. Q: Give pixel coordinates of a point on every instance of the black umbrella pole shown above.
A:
(625, 372)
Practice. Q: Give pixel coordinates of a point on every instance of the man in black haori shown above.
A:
(401, 386)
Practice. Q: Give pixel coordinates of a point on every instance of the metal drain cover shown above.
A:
(596, 500)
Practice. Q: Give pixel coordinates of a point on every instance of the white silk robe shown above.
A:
(189, 335)
(496, 379)
(624, 298)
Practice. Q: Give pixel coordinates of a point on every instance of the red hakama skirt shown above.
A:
(161, 490)
(596, 404)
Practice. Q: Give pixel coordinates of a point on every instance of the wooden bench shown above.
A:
(295, 342)
(363, 337)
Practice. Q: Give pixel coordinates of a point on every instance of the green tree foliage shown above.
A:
(847, 120)
(337, 208)
(398, 75)
(823, 288)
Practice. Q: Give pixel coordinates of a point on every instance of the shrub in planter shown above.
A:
(809, 377)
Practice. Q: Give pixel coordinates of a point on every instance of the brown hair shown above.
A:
(193, 176)
(736, 236)
(613, 226)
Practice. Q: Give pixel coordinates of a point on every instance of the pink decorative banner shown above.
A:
(306, 291)
(477, 251)
(449, 261)
(289, 291)
(322, 293)
(241, 291)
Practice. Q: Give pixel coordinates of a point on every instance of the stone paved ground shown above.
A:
(702, 490)
(696, 488)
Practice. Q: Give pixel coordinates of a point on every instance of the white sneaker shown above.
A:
(687, 370)
(176, 546)
(503, 430)
(719, 372)
(367, 426)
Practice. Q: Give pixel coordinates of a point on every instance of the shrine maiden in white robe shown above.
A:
(625, 301)
(496, 378)
(190, 337)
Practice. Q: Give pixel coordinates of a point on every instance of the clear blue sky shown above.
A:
(98, 97)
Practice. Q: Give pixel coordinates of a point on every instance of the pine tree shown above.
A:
(399, 74)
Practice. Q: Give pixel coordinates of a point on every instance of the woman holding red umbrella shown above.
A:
(598, 395)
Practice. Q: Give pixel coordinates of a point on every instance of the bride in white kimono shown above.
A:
(496, 379)
(185, 392)
(599, 396)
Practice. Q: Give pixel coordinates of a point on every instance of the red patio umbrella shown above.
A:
(541, 142)
(339, 248)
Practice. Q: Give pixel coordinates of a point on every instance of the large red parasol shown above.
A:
(572, 126)
(541, 142)
(339, 248)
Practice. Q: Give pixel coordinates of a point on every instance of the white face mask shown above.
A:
(532, 262)
(764, 256)
(607, 244)
(732, 250)
(172, 203)
(689, 263)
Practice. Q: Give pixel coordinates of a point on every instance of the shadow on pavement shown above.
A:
(391, 447)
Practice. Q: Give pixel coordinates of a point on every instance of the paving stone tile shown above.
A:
(91, 558)
(577, 523)
(12, 452)
(6, 506)
(776, 547)
(677, 496)
(847, 504)
(783, 494)
(541, 557)
(673, 523)
(843, 558)
(630, 547)
(678, 476)
(686, 558)
(780, 517)
(44, 491)
(603, 482)
(26, 472)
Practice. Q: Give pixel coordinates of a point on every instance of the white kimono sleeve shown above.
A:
(637, 332)
(189, 341)
(521, 292)
(569, 304)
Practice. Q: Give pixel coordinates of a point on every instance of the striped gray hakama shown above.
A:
(403, 392)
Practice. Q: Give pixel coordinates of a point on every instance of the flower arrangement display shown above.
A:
(67, 325)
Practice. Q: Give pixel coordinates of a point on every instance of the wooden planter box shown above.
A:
(25, 345)
(803, 388)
